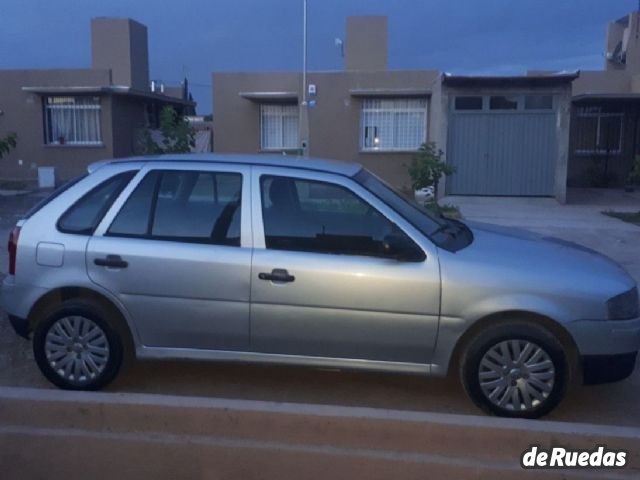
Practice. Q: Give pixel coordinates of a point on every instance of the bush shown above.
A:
(426, 170)
(7, 143)
(177, 135)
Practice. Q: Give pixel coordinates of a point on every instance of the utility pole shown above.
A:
(303, 127)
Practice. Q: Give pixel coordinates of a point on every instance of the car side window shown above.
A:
(187, 206)
(84, 215)
(314, 216)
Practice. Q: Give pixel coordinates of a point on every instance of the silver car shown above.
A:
(289, 260)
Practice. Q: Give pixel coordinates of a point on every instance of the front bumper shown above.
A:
(608, 348)
(607, 368)
(605, 337)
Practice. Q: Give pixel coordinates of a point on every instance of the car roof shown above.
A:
(290, 161)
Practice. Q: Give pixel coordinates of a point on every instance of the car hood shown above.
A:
(554, 261)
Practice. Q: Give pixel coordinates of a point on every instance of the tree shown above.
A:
(177, 135)
(7, 143)
(427, 168)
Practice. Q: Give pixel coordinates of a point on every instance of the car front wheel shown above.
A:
(515, 369)
(76, 348)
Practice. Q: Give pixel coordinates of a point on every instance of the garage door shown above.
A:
(503, 151)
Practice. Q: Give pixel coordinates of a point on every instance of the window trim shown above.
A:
(599, 115)
(341, 185)
(151, 216)
(105, 208)
(363, 128)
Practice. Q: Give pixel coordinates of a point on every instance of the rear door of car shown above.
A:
(322, 286)
(175, 249)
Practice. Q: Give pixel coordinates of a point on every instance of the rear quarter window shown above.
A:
(84, 215)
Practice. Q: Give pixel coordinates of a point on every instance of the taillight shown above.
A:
(13, 249)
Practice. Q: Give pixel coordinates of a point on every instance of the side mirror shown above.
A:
(402, 248)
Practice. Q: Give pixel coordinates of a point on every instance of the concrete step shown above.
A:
(58, 434)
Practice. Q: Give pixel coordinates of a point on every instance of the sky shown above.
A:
(197, 37)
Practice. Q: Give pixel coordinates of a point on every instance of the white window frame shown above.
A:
(596, 112)
(73, 110)
(280, 112)
(367, 109)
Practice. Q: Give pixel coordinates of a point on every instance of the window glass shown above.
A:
(468, 103)
(83, 217)
(500, 102)
(538, 102)
(393, 124)
(133, 217)
(278, 127)
(72, 120)
(312, 216)
(598, 131)
(184, 205)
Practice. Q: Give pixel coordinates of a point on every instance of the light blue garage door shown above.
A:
(502, 152)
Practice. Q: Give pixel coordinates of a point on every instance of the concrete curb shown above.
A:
(142, 435)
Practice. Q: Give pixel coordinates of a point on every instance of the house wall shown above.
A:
(334, 122)
(120, 44)
(127, 120)
(23, 114)
(365, 44)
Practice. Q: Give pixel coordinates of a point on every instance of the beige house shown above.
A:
(606, 108)
(68, 118)
(379, 117)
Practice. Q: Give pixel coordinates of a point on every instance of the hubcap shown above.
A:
(77, 349)
(516, 375)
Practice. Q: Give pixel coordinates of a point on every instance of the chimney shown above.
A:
(365, 45)
(120, 44)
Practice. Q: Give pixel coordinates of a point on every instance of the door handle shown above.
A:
(277, 275)
(113, 261)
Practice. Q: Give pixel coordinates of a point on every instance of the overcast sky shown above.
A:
(197, 37)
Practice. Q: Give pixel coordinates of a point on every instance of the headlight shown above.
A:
(624, 306)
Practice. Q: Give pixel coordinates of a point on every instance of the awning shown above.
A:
(606, 96)
(276, 97)
(510, 81)
(105, 90)
(390, 92)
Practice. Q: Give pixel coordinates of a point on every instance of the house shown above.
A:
(68, 118)
(504, 135)
(605, 111)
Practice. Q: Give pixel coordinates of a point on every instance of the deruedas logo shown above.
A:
(559, 457)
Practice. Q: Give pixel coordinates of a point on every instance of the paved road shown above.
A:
(611, 404)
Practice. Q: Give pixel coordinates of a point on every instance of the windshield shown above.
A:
(418, 216)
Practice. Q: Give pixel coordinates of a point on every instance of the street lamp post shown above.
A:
(303, 127)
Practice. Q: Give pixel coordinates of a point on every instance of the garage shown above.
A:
(508, 135)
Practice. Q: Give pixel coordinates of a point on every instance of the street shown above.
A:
(614, 404)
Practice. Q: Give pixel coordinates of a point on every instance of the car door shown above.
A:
(322, 284)
(176, 250)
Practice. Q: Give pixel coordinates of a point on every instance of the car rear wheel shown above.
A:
(516, 369)
(76, 348)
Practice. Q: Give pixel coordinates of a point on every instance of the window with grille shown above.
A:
(598, 132)
(278, 127)
(393, 124)
(72, 120)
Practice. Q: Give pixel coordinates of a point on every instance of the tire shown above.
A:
(541, 375)
(53, 346)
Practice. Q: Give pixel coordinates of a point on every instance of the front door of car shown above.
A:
(176, 250)
(325, 280)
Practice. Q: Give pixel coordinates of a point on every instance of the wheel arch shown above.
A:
(56, 297)
(554, 327)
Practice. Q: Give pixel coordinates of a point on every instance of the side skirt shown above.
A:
(162, 353)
